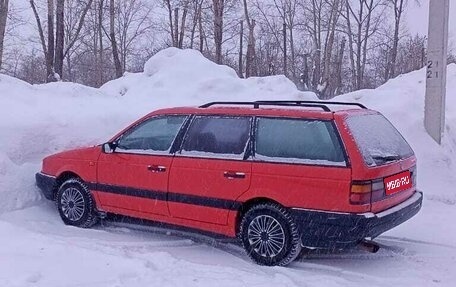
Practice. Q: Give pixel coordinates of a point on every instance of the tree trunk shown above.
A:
(100, 38)
(3, 19)
(170, 19)
(359, 46)
(176, 27)
(250, 56)
(397, 16)
(340, 58)
(112, 36)
(241, 49)
(292, 52)
(51, 44)
(182, 27)
(196, 15)
(367, 30)
(316, 57)
(58, 57)
(41, 33)
(218, 7)
(330, 40)
(200, 28)
(350, 44)
(284, 31)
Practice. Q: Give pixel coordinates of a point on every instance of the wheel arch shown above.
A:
(62, 177)
(245, 206)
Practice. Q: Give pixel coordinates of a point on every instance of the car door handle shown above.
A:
(234, 175)
(156, 168)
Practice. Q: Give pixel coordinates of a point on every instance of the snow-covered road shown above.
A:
(41, 251)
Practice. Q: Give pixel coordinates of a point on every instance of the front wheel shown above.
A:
(269, 235)
(75, 204)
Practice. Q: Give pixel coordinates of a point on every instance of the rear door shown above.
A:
(135, 176)
(211, 169)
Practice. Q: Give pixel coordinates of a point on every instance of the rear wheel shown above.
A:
(269, 235)
(75, 204)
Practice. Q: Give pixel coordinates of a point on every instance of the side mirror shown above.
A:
(109, 147)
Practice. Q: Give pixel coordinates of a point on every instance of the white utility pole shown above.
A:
(434, 109)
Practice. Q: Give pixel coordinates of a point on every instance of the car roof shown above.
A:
(298, 109)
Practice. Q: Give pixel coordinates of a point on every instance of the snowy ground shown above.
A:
(36, 249)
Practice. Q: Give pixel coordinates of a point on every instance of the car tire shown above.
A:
(269, 235)
(75, 204)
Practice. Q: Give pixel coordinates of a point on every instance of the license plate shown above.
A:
(398, 182)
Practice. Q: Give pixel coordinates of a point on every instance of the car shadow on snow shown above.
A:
(117, 223)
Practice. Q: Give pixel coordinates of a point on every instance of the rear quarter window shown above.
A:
(378, 140)
(298, 141)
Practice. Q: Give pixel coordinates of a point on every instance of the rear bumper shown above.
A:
(47, 184)
(339, 230)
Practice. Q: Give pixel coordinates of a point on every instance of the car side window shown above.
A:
(298, 141)
(153, 135)
(211, 136)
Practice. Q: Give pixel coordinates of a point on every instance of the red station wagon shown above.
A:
(279, 175)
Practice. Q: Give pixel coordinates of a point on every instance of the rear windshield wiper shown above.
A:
(386, 157)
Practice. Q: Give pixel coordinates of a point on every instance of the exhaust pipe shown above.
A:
(369, 246)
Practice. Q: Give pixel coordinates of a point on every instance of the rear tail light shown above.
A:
(361, 192)
(365, 192)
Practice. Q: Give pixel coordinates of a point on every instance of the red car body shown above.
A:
(211, 194)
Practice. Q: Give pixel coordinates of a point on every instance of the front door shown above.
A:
(211, 169)
(135, 176)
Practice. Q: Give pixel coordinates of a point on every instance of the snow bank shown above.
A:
(401, 100)
(38, 120)
(176, 77)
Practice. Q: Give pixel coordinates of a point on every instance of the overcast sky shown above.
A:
(417, 17)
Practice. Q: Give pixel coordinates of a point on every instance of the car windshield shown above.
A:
(378, 140)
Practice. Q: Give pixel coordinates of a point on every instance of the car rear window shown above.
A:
(378, 140)
(298, 141)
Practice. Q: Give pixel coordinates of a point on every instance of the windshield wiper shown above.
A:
(386, 157)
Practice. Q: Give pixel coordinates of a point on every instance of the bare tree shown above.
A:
(176, 30)
(398, 7)
(51, 42)
(132, 23)
(112, 38)
(59, 37)
(241, 49)
(366, 23)
(3, 19)
(54, 48)
(196, 11)
(218, 7)
(99, 29)
(327, 83)
(250, 56)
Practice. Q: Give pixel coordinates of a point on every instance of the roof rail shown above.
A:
(317, 102)
(287, 103)
(257, 104)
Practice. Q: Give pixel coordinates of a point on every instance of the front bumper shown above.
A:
(339, 230)
(47, 184)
